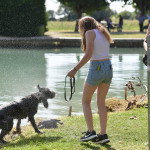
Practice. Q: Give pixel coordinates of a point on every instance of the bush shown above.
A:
(22, 17)
(128, 15)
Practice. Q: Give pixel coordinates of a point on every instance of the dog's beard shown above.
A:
(52, 94)
(45, 103)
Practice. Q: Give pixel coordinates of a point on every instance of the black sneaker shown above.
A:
(88, 136)
(101, 139)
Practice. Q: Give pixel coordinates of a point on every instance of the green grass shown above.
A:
(113, 34)
(66, 29)
(124, 134)
(61, 26)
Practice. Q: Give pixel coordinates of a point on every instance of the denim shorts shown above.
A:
(99, 72)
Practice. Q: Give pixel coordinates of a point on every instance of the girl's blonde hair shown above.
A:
(88, 23)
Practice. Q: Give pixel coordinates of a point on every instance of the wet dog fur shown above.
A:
(26, 107)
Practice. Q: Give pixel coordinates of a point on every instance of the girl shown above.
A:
(95, 43)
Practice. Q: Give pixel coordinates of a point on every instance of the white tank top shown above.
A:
(101, 46)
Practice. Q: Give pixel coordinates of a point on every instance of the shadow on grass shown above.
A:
(48, 124)
(98, 147)
(34, 139)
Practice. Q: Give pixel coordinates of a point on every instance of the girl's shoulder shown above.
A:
(90, 32)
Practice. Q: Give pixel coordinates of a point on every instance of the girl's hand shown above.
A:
(71, 73)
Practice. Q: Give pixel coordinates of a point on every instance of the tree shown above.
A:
(127, 15)
(51, 15)
(141, 5)
(101, 15)
(83, 6)
(67, 13)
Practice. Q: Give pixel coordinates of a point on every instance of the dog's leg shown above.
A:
(18, 129)
(3, 133)
(6, 130)
(31, 119)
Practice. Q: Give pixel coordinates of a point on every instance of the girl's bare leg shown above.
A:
(86, 104)
(102, 91)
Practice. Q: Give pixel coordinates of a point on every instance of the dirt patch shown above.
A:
(115, 105)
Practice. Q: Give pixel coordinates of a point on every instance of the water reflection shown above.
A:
(22, 70)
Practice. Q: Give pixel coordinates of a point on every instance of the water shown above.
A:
(21, 70)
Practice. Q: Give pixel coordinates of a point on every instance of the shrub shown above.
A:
(22, 17)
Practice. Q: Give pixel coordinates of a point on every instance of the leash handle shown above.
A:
(72, 88)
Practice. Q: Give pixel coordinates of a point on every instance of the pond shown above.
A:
(22, 70)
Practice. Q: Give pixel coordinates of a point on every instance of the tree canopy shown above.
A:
(142, 5)
(101, 15)
(83, 6)
(68, 13)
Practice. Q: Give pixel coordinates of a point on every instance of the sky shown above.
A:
(117, 6)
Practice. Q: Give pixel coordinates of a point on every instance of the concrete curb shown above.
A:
(50, 42)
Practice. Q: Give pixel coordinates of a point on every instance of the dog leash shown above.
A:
(72, 88)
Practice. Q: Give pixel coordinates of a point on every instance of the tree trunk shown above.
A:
(76, 26)
(142, 7)
(79, 14)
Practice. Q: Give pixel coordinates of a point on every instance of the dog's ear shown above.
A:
(39, 88)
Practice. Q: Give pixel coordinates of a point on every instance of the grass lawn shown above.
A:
(124, 134)
(66, 29)
(113, 34)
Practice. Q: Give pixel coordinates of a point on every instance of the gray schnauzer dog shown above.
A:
(26, 107)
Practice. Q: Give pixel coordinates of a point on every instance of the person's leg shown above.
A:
(121, 27)
(142, 27)
(102, 91)
(88, 92)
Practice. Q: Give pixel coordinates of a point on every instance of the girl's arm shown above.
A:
(90, 36)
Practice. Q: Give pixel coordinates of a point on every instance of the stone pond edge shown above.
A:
(52, 42)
